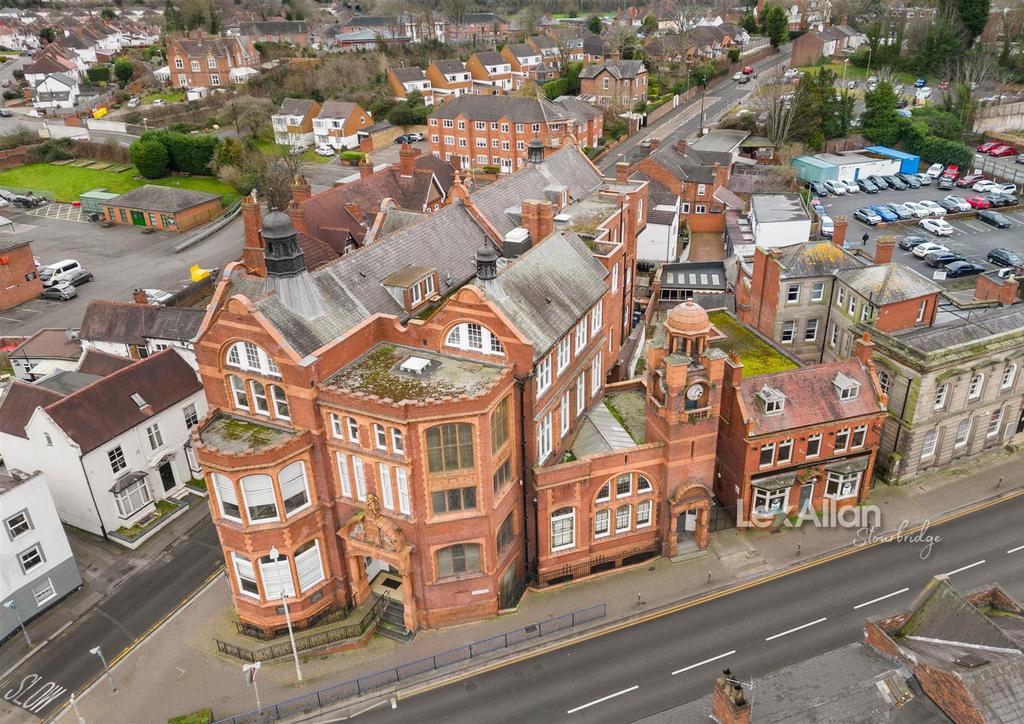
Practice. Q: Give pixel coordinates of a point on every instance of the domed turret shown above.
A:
(535, 150)
(486, 261)
(688, 319)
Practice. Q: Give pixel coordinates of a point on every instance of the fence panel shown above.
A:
(416, 668)
(453, 656)
(492, 644)
(378, 680)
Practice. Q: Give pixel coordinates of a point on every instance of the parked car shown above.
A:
(994, 218)
(78, 277)
(325, 149)
(738, 74)
(910, 180)
(920, 82)
(818, 189)
(969, 180)
(836, 188)
(59, 272)
(748, 70)
(4, 113)
(959, 201)
(951, 171)
(943, 85)
(932, 208)
(817, 208)
(158, 102)
(978, 202)
(923, 94)
(1003, 151)
(924, 179)
(963, 269)
(888, 216)
(157, 296)
(909, 242)
(1020, 158)
(868, 215)
(951, 207)
(939, 227)
(851, 186)
(984, 185)
(896, 182)
(900, 210)
(988, 146)
(879, 182)
(941, 258)
(828, 227)
(62, 291)
(866, 186)
(1004, 258)
(133, 102)
(28, 201)
(917, 210)
(1002, 188)
(929, 247)
(415, 136)
(944, 184)
(997, 200)
(935, 170)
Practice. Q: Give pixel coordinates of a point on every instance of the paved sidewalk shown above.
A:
(177, 670)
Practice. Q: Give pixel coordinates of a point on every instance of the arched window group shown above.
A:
(251, 358)
(287, 575)
(474, 337)
(251, 395)
(622, 505)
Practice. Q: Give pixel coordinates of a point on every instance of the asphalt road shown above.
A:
(651, 667)
(44, 682)
(687, 117)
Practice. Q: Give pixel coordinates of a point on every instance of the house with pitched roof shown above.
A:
(164, 208)
(449, 79)
(136, 330)
(206, 62)
(615, 84)
(404, 81)
(523, 59)
(54, 58)
(492, 73)
(289, 32)
(338, 124)
(110, 446)
(46, 351)
(293, 122)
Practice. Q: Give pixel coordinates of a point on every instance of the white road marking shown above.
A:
(705, 661)
(603, 699)
(964, 568)
(1014, 550)
(976, 228)
(798, 628)
(880, 598)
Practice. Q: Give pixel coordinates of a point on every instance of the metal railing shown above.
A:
(309, 703)
(1002, 169)
(597, 564)
(323, 619)
(214, 226)
(310, 641)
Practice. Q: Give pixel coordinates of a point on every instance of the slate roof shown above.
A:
(217, 47)
(164, 199)
(811, 398)
(104, 409)
(131, 323)
(661, 218)
(489, 57)
(544, 42)
(316, 252)
(12, 244)
(620, 69)
(96, 362)
(888, 283)
(336, 109)
(450, 67)
(49, 343)
(600, 432)
(815, 259)
(407, 75)
(579, 108)
(273, 27)
(64, 382)
(370, 21)
(657, 193)
(17, 404)
(295, 107)
(978, 325)
(477, 18)
(693, 165)
(548, 289)
(522, 50)
(443, 170)
(396, 219)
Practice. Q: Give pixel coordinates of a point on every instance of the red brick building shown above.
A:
(615, 84)
(19, 278)
(206, 62)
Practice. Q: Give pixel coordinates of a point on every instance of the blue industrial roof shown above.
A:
(892, 153)
(812, 161)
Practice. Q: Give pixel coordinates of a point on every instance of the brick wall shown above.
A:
(19, 280)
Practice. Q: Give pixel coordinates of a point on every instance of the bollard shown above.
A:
(709, 576)
(1000, 483)
(798, 546)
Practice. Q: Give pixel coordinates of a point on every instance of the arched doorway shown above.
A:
(689, 510)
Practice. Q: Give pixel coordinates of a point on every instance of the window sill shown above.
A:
(461, 577)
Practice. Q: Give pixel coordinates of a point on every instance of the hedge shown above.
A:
(554, 88)
(150, 157)
(187, 153)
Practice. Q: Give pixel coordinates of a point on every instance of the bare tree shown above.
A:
(773, 101)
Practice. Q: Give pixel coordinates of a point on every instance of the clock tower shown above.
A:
(684, 393)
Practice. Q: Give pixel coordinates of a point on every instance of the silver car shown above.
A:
(836, 188)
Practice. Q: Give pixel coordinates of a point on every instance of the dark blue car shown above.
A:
(887, 214)
(920, 82)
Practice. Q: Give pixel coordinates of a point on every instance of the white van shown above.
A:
(59, 272)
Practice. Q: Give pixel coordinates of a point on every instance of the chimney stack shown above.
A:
(653, 144)
(883, 249)
(365, 168)
(458, 189)
(841, 223)
(682, 145)
(252, 253)
(300, 189)
(729, 705)
(622, 172)
(862, 349)
(139, 296)
(538, 217)
(407, 156)
(998, 286)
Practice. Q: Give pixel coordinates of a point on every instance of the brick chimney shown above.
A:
(407, 156)
(682, 145)
(622, 172)
(992, 287)
(139, 296)
(365, 168)
(298, 216)
(252, 252)
(729, 704)
(862, 349)
(884, 247)
(841, 224)
(300, 189)
(458, 189)
(653, 145)
(538, 217)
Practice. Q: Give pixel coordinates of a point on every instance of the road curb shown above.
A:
(35, 650)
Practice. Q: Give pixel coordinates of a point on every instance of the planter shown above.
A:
(132, 537)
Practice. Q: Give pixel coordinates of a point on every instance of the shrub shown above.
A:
(187, 153)
(54, 149)
(554, 88)
(98, 73)
(734, 55)
(150, 157)
(352, 158)
(20, 136)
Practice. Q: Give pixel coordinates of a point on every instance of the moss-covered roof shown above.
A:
(758, 356)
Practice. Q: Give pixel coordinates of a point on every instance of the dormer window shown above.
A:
(772, 400)
(846, 387)
(412, 286)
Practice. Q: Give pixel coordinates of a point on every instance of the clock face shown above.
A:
(695, 392)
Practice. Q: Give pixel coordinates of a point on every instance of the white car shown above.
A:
(984, 185)
(158, 102)
(935, 170)
(325, 150)
(156, 296)
(924, 94)
(924, 178)
(851, 187)
(737, 75)
(922, 250)
(917, 209)
(828, 227)
(933, 208)
(960, 201)
(836, 188)
(939, 227)
(1003, 189)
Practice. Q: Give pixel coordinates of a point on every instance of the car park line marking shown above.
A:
(964, 568)
(603, 699)
(798, 628)
(978, 228)
(705, 661)
(880, 598)
(1014, 550)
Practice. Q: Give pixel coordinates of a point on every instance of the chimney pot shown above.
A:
(538, 217)
(840, 224)
(884, 247)
(365, 168)
(139, 296)
(682, 145)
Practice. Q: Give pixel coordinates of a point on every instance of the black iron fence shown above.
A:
(598, 564)
(309, 641)
(371, 683)
(323, 619)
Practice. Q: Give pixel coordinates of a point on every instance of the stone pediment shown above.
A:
(368, 529)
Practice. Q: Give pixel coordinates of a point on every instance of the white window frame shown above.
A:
(117, 459)
(596, 318)
(817, 291)
(24, 525)
(302, 562)
(994, 423)
(841, 297)
(921, 310)
(581, 394)
(977, 386)
(788, 446)
(847, 485)
(595, 374)
(771, 501)
(860, 435)
(156, 439)
(543, 374)
(397, 441)
(359, 473)
(336, 429)
(963, 433)
(544, 438)
(940, 396)
(811, 330)
(289, 488)
(815, 438)
(239, 395)
(44, 592)
(793, 294)
(628, 519)
(581, 336)
(564, 353)
(402, 483)
(260, 403)
(571, 518)
(647, 505)
(240, 562)
(380, 437)
(843, 433)
(928, 445)
(344, 478)
(259, 494)
(606, 515)
(352, 425)
(770, 447)
(563, 414)
(277, 575)
(788, 333)
(1009, 376)
(387, 493)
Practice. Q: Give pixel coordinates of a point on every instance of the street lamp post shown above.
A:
(145, 123)
(13, 606)
(251, 670)
(74, 705)
(274, 555)
(703, 92)
(97, 651)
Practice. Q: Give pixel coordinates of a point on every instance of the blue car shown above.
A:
(920, 82)
(887, 214)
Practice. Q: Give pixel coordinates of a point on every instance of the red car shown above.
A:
(969, 180)
(1003, 151)
(988, 146)
(978, 202)
(950, 172)
(944, 85)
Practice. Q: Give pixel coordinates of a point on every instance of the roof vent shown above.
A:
(562, 218)
(970, 661)
(415, 365)
(138, 400)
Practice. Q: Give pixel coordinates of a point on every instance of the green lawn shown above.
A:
(758, 357)
(272, 149)
(67, 183)
(168, 96)
(861, 74)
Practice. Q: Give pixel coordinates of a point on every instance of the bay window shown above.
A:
(294, 491)
(245, 576)
(226, 497)
(277, 578)
(258, 492)
(770, 501)
(308, 565)
(459, 559)
(842, 486)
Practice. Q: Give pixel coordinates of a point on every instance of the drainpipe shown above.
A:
(88, 484)
(521, 390)
(903, 411)
(828, 316)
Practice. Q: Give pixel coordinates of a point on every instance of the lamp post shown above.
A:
(74, 706)
(99, 652)
(145, 123)
(703, 92)
(846, 64)
(251, 670)
(274, 555)
(13, 606)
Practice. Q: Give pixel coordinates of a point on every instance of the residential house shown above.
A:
(17, 36)
(812, 46)
(492, 73)
(366, 40)
(19, 278)
(449, 79)
(57, 91)
(293, 122)
(45, 352)
(615, 84)
(523, 59)
(338, 124)
(285, 32)
(404, 81)
(136, 330)
(206, 62)
(36, 563)
(53, 59)
(548, 47)
(481, 28)
(113, 447)
(589, 118)
(778, 220)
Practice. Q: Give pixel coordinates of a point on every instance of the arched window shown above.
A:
(248, 356)
(1009, 377)
(474, 337)
(457, 560)
(643, 485)
(260, 503)
(226, 496)
(977, 385)
(563, 529)
(280, 401)
(259, 398)
(294, 491)
(238, 393)
(940, 396)
(450, 447)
